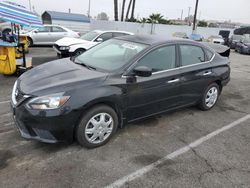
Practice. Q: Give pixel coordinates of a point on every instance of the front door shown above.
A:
(42, 35)
(57, 33)
(159, 92)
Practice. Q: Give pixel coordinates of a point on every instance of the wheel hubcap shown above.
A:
(211, 97)
(99, 128)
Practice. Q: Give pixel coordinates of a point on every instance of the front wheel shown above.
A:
(210, 97)
(78, 52)
(97, 126)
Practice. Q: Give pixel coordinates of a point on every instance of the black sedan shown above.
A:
(117, 82)
(243, 47)
(234, 40)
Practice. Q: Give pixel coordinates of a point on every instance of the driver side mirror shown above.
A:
(143, 71)
(35, 31)
(99, 40)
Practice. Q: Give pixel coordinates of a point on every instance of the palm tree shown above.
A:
(128, 10)
(123, 9)
(133, 11)
(155, 18)
(116, 9)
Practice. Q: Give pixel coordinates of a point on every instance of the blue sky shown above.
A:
(238, 11)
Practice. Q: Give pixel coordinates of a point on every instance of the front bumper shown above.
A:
(64, 53)
(246, 50)
(45, 126)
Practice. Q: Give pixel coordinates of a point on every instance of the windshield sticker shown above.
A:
(130, 46)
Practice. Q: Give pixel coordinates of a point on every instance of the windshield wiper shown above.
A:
(85, 65)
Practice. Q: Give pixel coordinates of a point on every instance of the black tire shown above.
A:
(59, 55)
(202, 104)
(240, 51)
(30, 42)
(79, 52)
(80, 131)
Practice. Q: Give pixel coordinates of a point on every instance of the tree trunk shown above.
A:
(116, 9)
(133, 10)
(123, 8)
(128, 10)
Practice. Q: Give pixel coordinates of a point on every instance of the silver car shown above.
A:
(49, 34)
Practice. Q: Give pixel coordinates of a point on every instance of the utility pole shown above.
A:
(195, 15)
(181, 14)
(89, 8)
(30, 5)
(189, 9)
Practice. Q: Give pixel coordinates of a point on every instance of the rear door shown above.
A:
(57, 33)
(159, 92)
(196, 72)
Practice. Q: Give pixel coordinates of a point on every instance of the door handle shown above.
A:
(207, 73)
(173, 81)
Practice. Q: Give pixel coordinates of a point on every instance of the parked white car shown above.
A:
(217, 39)
(69, 46)
(49, 34)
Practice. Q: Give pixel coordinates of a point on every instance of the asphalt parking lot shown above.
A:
(187, 148)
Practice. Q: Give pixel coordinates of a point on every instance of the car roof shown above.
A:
(113, 31)
(152, 39)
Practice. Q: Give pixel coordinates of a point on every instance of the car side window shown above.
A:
(58, 29)
(106, 36)
(45, 29)
(119, 34)
(161, 59)
(191, 54)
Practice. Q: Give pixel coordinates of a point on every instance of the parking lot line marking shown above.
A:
(7, 132)
(7, 114)
(139, 173)
(7, 124)
(3, 102)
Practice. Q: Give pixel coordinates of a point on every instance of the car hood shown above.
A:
(68, 41)
(219, 40)
(58, 76)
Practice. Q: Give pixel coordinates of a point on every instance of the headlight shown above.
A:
(64, 48)
(48, 102)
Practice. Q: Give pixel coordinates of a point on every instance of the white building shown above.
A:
(76, 22)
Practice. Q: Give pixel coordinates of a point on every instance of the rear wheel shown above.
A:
(210, 97)
(97, 126)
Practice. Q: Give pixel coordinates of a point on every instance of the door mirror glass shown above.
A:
(143, 71)
(99, 40)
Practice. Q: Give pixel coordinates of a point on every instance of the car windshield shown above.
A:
(216, 36)
(110, 55)
(237, 37)
(179, 34)
(90, 36)
(246, 40)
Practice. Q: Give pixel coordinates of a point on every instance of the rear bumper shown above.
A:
(225, 82)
